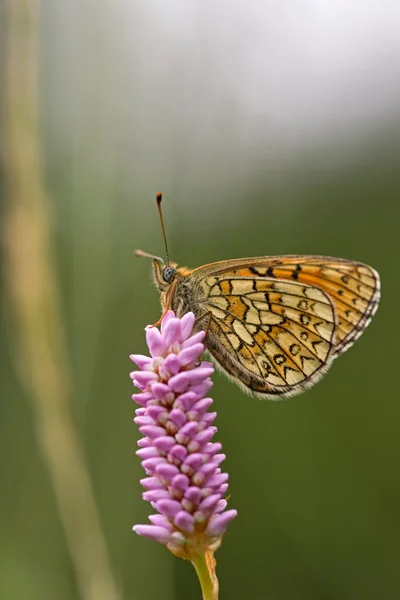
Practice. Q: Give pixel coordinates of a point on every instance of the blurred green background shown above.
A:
(270, 128)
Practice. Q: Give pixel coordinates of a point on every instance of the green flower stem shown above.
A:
(205, 569)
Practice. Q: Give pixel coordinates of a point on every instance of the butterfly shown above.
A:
(274, 324)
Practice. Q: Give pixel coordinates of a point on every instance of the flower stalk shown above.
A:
(205, 568)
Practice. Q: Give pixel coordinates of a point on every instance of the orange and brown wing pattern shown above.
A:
(273, 336)
(352, 287)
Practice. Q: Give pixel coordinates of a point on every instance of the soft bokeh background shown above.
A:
(271, 128)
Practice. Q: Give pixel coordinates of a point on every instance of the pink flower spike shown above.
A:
(185, 484)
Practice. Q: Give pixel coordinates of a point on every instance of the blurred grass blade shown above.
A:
(33, 301)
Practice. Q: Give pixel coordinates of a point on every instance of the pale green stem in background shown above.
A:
(33, 302)
(205, 569)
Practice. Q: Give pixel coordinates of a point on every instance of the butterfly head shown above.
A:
(163, 274)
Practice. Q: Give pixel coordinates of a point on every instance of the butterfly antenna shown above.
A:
(159, 198)
(147, 255)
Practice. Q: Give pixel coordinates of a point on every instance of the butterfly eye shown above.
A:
(168, 274)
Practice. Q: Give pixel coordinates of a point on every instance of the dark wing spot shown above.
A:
(254, 271)
(302, 305)
(295, 274)
(294, 349)
(340, 292)
(270, 272)
(279, 359)
(305, 319)
(266, 366)
(345, 279)
(304, 335)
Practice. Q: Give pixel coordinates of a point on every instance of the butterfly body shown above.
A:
(274, 324)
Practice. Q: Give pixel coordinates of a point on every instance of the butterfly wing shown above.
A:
(352, 287)
(279, 322)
